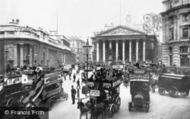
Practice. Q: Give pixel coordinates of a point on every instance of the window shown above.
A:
(171, 60)
(171, 20)
(184, 60)
(170, 50)
(185, 1)
(171, 34)
(184, 32)
(2, 33)
(185, 17)
(10, 32)
(183, 49)
(176, 1)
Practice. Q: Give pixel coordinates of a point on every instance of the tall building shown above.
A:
(176, 33)
(23, 45)
(77, 47)
(124, 44)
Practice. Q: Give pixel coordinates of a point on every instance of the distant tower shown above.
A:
(128, 19)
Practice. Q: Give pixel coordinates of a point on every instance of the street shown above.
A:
(161, 107)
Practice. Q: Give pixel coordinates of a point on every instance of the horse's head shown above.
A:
(80, 105)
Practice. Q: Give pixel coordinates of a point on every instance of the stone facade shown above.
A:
(77, 47)
(124, 44)
(176, 33)
(21, 46)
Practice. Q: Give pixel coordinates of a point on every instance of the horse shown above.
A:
(98, 109)
(84, 108)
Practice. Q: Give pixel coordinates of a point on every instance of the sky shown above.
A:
(76, 17)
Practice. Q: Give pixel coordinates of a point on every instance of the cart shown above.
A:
(174, 84)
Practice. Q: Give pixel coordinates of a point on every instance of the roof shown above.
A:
(121, 30)
(173, 76)
(139, 80)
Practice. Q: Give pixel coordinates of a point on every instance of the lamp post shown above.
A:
(87, 48)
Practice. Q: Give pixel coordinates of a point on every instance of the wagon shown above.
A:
(174, 84)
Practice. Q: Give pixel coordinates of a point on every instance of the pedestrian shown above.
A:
(78, 83)
(64, 75)
(74, 77)
(8, 69)
(70, 72)
(78, 92)
(73, 93)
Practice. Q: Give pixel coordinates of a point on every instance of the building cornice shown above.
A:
(175, 8)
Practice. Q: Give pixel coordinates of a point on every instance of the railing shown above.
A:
(173, 5)
(32, 36)
(20, 35)
(185, 2)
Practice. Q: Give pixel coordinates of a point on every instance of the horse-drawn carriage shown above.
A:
(174, 84)
(104, 94)
(139, 90)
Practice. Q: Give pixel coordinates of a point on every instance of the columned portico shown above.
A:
(125, 44)
(130, 51)
(123, 48)
(116, 55)
(104, 52)
(144, 50)
(110, 44)
(137, 50)
(97, 51)
(21, 54)
(30, 55)
(15, 55)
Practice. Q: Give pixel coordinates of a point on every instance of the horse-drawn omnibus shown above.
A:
(174, 84)
(52, 89)
(104, 93)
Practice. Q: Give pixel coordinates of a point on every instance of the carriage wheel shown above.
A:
(173, 92)
(161, 91)
(9, 103)
(50, 104)
(118, 103)
(147, 107)
(130, 106)
(110, 111)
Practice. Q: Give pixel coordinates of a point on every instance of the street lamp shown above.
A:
(87, 48)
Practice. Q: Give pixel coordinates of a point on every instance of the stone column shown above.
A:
(116, 55)
(104, 52)
(30, 55)
(97, 51)
(130, 51)
(110, 44)
(123, 47)
(15, 55)
(21, 54)
(137, 50)
(144, 50)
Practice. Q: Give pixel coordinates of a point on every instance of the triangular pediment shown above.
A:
(121, 30)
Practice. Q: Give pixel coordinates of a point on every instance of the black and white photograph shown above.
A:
(94, 59)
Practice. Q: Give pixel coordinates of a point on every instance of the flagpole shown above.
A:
(57, 22)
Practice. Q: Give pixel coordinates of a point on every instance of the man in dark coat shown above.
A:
(73, 93)
(74, 77)
(78, 84)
